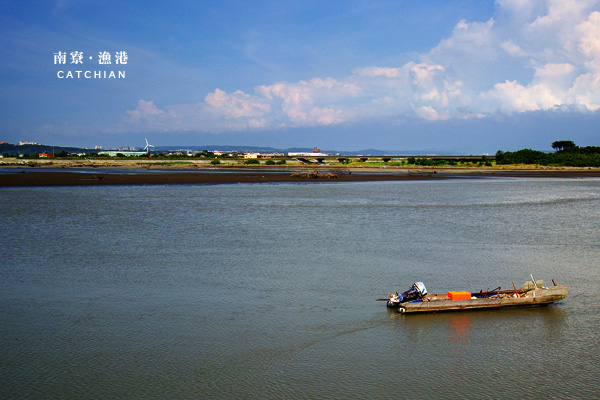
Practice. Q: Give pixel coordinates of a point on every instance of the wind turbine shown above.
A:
(147, 148)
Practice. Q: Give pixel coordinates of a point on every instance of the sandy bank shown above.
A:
(264, 174)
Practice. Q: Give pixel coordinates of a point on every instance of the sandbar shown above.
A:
(34, 176)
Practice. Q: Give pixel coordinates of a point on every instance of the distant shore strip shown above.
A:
(107, 176)
(90, 74)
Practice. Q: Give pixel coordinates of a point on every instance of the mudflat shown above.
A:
(130, 174)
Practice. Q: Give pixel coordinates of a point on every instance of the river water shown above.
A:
(268, 290)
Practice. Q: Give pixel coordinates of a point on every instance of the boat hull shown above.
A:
(441, 302)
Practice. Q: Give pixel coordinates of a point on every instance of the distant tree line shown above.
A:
(429, 162)
(566, 153)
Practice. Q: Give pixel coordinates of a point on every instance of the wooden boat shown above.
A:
(532, 293)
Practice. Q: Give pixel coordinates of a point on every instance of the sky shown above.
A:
(460, 76)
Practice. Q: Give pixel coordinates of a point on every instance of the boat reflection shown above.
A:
(456, 328)
(459, 327)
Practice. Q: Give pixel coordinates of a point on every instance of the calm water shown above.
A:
(268, 291)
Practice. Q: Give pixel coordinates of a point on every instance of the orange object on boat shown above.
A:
(459, 295)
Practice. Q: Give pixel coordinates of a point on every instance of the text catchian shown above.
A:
(91, 74)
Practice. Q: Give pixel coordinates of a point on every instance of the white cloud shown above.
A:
(589, 43)
(468, 39)
(235, 106)
(533, 55)
(309, 103)
(144, 111)
(429, 113)
(513, 49)
(511, 97)
(372, 72)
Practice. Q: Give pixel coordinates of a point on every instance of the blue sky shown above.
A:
(467, 76)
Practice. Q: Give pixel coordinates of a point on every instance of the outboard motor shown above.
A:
(417, 291)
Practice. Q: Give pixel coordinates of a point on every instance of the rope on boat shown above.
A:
(442, 306)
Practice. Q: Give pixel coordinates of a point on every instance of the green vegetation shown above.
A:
(396, 163)
(205, 154)
(561, 145)
(173, 163)
(428, 162)
(567, 154)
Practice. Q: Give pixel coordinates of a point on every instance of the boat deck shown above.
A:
(441, 301)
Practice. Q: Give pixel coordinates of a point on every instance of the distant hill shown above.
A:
(258, 149)
(33, 149)
(247, 149)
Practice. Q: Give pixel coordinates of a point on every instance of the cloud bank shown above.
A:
(534, 55)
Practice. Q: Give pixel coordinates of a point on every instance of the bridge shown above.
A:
(387, 158)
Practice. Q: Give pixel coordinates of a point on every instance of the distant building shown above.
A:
(315, 153)
(45, 155)
(307, 154)
(114, 153)
(260, 155)
(26, 143)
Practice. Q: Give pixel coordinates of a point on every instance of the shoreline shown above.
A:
(84, 175)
